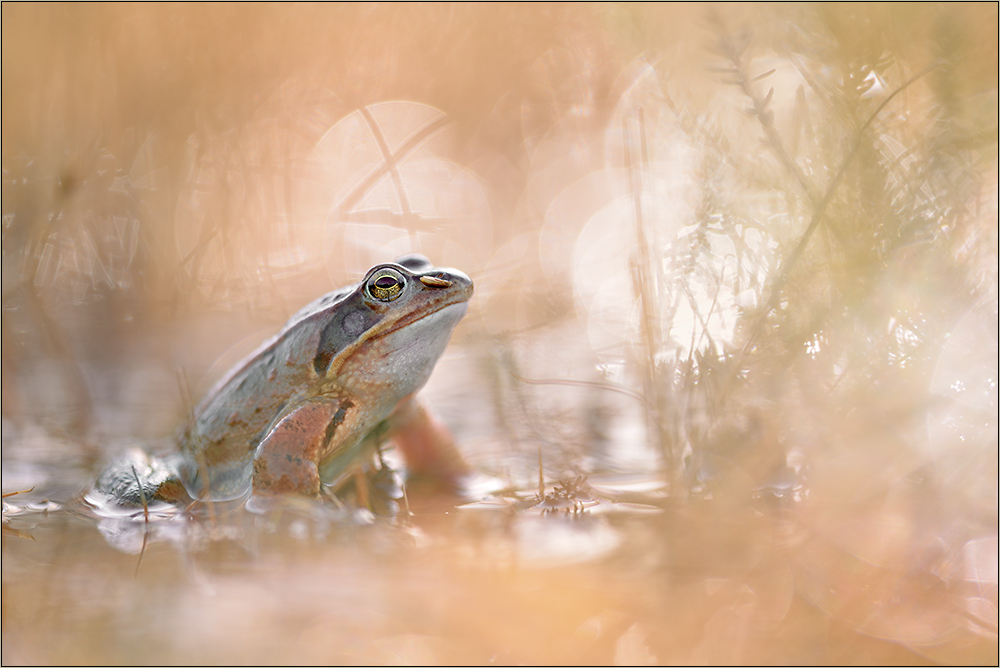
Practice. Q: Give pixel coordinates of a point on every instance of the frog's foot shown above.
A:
(363, 487)
(361, 490)
(428, 448)
(137, 480)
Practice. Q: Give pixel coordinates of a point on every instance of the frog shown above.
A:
(311, 408)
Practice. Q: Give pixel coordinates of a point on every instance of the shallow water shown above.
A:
(635, 578)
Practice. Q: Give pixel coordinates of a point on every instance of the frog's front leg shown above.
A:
(427, 445)
(287, 458)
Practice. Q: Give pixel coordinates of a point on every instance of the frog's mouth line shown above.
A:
(407, 321)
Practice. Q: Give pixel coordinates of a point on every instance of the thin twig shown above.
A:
(142, 495)
(585, 383)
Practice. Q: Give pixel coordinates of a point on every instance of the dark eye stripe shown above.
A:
(322, 361)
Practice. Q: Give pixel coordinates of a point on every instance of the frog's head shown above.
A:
(387, 334)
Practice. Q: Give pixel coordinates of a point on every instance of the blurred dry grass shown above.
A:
(776, 225)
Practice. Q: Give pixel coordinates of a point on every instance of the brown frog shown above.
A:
(308, 410)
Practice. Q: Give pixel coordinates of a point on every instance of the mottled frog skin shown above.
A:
(309, 408)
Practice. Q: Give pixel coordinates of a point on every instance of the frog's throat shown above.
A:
(384, 329)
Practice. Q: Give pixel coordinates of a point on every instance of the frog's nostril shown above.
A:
(433, 282)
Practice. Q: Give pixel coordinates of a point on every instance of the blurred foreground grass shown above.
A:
(775, 227)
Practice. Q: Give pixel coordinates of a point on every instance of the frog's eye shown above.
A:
(386, 285)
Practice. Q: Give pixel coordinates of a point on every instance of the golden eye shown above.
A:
(386, 285)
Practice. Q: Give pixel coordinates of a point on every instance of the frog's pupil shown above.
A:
(385, 282)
